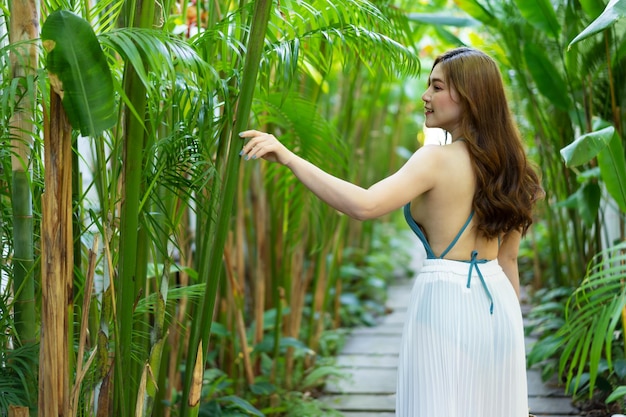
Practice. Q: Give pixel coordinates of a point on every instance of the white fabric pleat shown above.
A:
(457, 359)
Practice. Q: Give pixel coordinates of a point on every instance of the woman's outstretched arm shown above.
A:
(414, 178)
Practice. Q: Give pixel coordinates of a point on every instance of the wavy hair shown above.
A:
(507, 185)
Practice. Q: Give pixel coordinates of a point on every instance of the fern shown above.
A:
(18, 377)
(593, 319)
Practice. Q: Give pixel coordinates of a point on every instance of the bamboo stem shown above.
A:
(214, 265)
(24, 61)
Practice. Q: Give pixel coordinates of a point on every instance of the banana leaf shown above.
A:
(547, 76)
(615, 10)
(587, 146)
(540, 14)
(79, 72)
(613, 169)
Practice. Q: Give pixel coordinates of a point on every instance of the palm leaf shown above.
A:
(107, 12)
(592, 316)
(360, 28)
(18, 377)
(157, 57)
(303, 129)
(80, 73)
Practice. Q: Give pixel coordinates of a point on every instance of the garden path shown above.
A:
(370, 355)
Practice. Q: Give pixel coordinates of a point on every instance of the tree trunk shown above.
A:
(17, 411)
(57, 260)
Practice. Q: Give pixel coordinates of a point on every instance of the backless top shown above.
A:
(473, 262)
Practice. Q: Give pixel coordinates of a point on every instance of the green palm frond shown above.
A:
(18, 376)
(12, 90)
(593, 316)
(306, 132)
(371, 47)
(157, 57)
(308, 35)
(104, 15)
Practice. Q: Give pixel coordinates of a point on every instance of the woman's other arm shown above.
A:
(507, 257)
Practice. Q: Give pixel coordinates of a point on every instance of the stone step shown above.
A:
(371, 344)
(367, 361)
(362, 402)
(374, 381)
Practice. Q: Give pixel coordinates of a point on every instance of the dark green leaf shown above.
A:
(241, 404)
(613, 168)
(447, 36)
(589, 202)
(79, 72)
(593, 8)
(620, 368)
(546, 75)
(544, 349)
(540, 14)
(587, 146)
(476, 10)
(619, 393)
(262, 388)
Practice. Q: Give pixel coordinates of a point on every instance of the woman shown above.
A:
(469, 202)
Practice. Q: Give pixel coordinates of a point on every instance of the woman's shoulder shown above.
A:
(442, 157)
(430, 152)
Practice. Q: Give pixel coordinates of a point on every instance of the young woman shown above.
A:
(469, 202)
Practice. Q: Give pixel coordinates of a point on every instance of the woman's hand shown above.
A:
(266, 146)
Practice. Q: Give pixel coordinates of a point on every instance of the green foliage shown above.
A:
(18, 376)
(593, 326)
(582, 336)
(297, 404)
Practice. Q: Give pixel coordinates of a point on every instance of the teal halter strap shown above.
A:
(418, 231)
(420, 234)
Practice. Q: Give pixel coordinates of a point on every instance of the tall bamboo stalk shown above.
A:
(57, 262)
(24, 61)
(211, 273)
(131, 269)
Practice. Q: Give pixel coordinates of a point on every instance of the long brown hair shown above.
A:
(507, 186)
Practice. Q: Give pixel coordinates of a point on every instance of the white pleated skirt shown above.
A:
(457, 359)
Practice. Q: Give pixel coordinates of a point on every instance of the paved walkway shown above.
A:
(370, 358)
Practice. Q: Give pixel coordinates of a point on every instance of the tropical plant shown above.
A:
(160, 191)
(595, 317)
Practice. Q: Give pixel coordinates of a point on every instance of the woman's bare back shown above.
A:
(443, 210)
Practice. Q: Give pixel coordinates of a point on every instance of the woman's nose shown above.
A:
(426, 96)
